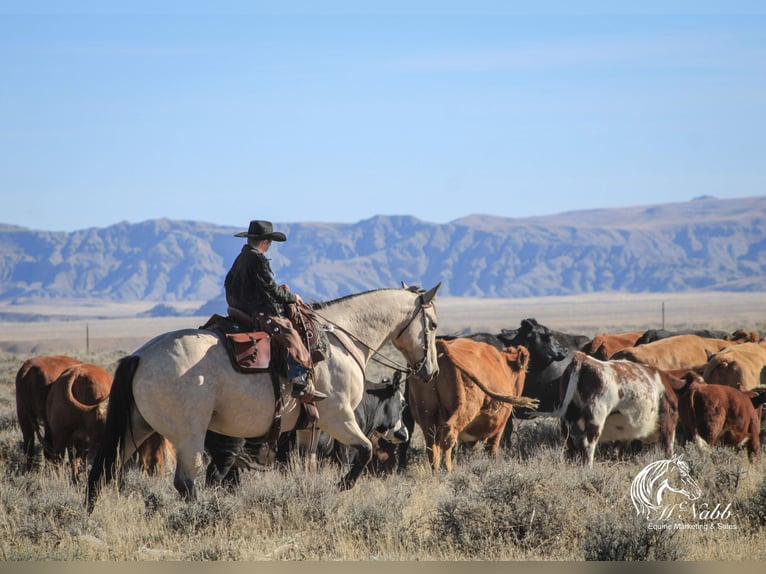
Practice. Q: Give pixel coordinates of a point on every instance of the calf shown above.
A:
(741, 366)
(379, 415)
(615, 401)
(717, 413)
(33, 382)
(76, 413)
(471, 398)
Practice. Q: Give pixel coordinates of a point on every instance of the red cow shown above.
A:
(718, 413)
(76, 412)
(471, 398)
(605, 345)
(33, 382)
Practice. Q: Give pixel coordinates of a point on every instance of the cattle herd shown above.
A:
(707, 387)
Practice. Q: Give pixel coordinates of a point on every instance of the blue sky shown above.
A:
(285, 112)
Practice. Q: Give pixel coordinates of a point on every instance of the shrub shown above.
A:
(614, 537)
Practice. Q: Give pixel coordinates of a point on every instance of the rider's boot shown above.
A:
(303, 389)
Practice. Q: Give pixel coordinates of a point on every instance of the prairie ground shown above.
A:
(530, 504)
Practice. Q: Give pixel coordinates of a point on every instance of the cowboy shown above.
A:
(251, 288)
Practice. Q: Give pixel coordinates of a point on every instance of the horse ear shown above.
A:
(429, 295)
(404, 285)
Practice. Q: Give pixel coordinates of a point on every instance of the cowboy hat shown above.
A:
(262, 230)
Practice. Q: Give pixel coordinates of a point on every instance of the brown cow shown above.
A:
(712, 412)
(76, 413)
(615, 400)
(471, 399)
(673, 353)
(740, 366)
(33, 382)
(605, 345)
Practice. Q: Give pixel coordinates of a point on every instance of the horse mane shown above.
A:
(317, 305)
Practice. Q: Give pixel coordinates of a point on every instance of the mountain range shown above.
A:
(703, 244)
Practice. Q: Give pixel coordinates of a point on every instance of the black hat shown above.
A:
(262, 230)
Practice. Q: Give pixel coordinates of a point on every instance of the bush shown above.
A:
(621, 538)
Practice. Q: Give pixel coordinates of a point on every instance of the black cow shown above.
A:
(379, 415)
(652, 335)
(548, 358)
(570, 340)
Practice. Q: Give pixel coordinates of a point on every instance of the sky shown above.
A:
(114, 112)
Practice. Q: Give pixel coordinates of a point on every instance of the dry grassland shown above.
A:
(531, 504)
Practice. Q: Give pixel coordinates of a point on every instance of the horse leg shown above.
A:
(189, 457)
(346, 430)
(307, 441)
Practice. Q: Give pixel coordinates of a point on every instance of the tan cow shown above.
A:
(674, 353)
(471, 399)
(740, 366)
(607, 344)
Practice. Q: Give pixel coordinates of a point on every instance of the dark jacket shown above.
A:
(251, 287)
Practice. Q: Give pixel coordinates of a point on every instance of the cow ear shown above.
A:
(523, 357)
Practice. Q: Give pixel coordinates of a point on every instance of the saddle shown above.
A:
(250, 351)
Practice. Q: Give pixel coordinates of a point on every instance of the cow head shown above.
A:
(387, 418)
(539, 340)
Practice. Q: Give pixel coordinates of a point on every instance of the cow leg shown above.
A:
(754, 444)
(28, 428)
(446, 438)
(223, 451)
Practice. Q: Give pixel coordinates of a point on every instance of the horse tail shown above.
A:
(117, 426)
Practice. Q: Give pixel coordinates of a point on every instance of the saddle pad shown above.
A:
(251, 352)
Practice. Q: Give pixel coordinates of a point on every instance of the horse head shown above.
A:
(417, 339)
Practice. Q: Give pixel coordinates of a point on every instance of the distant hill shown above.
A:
(704, 244)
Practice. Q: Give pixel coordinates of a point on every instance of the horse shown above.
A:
(657, 479)
(181, 383)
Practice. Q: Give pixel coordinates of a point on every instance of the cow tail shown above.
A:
(72, 377)
(117, 426)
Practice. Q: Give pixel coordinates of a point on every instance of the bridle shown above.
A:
(419, 312)
(387, 361)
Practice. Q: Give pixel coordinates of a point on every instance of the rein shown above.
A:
(388, 361)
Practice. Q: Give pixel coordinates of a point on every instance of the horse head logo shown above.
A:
(659, 479)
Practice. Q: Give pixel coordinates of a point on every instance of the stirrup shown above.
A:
(307, 394)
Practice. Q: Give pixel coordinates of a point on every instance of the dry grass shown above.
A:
(529, 505)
